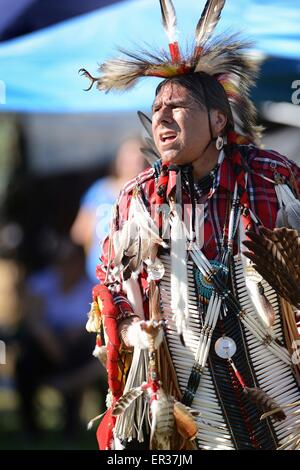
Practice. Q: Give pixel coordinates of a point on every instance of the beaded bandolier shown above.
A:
(216, 366)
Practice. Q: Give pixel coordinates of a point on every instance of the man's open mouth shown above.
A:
(168, 137)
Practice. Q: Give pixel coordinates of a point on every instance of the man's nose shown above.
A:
(165, 115)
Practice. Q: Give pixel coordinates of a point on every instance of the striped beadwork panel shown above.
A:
(213, 432)
(273, 376)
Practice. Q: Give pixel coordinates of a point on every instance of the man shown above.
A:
(190, 324)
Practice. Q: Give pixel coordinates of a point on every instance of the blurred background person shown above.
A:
(54, 348)
(94, 215)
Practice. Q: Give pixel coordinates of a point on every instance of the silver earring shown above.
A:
(219, 142)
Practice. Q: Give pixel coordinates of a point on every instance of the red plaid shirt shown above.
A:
(261, 194)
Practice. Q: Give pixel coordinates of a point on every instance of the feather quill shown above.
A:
(208, 21)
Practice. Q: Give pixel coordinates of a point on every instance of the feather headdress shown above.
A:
(224, 58)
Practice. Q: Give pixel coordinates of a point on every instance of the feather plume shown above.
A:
(169, 19)
(126, 400)
(263, 307)
(100, 352)
(145, 335)
(137, 239)
(265, 401)
(122, 73)
(150, 151)
(289, 216)
(162, 421)
(146, 123)
(209, 20)
(224, 58)
(276, 256)
(94, 321)
(227, 60)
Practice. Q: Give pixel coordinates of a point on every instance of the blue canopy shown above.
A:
(24, 16)
(38, 72)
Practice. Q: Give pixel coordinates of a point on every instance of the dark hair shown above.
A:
(206, 90)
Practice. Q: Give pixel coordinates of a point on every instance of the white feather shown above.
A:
(289, 212)
(139, 338)
(169, 19)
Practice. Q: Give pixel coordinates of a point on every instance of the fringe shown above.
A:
(129, 424)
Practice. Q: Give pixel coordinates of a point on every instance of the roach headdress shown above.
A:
(224, 58)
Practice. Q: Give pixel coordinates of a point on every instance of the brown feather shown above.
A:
(162, 423)
(209, 20)
(262, 399)
(276, 256)
(126, 400)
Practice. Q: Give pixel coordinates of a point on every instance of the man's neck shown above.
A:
(203, 165)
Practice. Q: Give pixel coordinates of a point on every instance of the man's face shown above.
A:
(179, 125)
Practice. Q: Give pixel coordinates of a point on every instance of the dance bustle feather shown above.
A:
(137, 240)
(276, 256)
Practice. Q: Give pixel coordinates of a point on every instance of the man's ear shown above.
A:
(219, 121)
